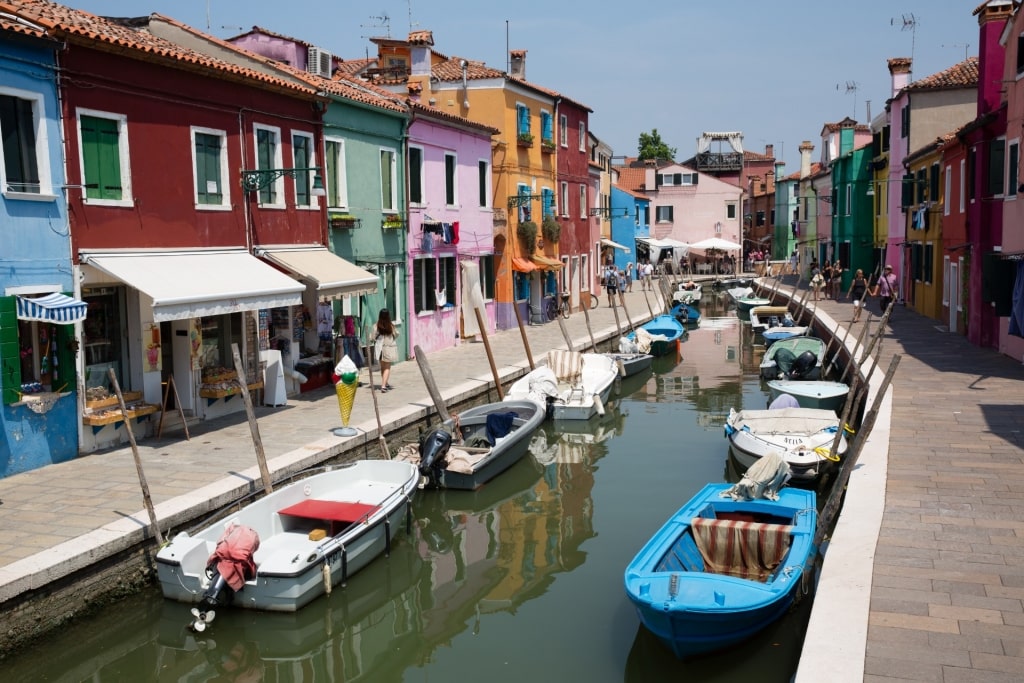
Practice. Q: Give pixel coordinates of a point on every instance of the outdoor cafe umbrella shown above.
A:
(713, 245)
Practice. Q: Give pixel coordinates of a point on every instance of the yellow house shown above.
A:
(523, 158)
(923, 201)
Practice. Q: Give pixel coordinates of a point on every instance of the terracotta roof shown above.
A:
(352, 67)
(977, 10)
(756, 156)
(120, 36)
(25, 28)
(962, 75)
(272, 34)
(421, 38)
(437, 113)
(845, 123)
(450, 69)
(631, 178)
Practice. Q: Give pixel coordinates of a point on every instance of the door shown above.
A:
(954, 293)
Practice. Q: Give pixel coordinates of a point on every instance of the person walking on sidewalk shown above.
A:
(886, 288)
(385, 342)
(629, 276)
(858, 291)
(611, 283)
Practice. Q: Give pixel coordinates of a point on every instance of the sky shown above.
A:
(775, 71)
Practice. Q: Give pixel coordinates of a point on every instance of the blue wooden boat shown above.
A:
(685, 313)
(720, 570)
(666, 331)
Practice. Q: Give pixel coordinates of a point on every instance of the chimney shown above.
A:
(769, 151)
(899, 69)
(805, 158)
(846, 130)
(517, 63)
(992, 17)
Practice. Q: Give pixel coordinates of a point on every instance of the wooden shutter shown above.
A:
(101, 157)
(10, 358)
(208, 169)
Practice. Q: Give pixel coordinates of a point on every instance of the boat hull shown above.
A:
(804, 443)
(821, 394)
(693, 611)
(632, 363)
(289, 565)
(580, 400)
(663, 326)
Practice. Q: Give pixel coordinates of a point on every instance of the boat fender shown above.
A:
(621, 366)
(325, 569)
(599, 404)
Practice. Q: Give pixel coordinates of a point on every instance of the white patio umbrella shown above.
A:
(716, 243)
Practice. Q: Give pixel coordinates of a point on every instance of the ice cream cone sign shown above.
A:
(347, 383)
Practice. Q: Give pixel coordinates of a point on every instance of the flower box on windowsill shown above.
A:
(392, 222)
(525, 140)
(547, 146)
(343, 220)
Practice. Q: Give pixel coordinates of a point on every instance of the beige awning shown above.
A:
(545, 263)
(332, 276)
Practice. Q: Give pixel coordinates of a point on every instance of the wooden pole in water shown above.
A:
(565, 333)
(842, 345)
(146, 498)
(376, 411)
(254, 429)
(648, 301)
(490, 356)
(618, 327)
(625, 311)
(590, 332)
(831, 507)
(858, 345)
(428, 379)
(522, 333)
(877, 336)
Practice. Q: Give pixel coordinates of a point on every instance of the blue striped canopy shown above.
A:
(52, 308)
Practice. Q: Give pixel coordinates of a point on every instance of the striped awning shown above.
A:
(522, 265)
(52, 308)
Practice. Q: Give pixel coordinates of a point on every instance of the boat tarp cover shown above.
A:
(567, 365)
(762, 480)
(784, 420)
(747, 550)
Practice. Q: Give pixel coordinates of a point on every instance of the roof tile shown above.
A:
(962, 75)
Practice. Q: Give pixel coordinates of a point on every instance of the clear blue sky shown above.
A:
(775, 71)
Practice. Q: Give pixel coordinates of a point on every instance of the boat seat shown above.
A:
(748, 550)
(339, 514)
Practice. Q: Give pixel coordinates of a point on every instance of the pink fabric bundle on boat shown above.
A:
(748, 550)
(233, 555)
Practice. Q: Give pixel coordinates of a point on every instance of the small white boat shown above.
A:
(802, 436)
(820, 394)
(574, 385)
(764, 317)
(687, 293)
(745, 304)
(739, 292)
(283, 550)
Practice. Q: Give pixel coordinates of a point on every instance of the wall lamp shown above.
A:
(259, 178)
(522, 200)
(608, 212)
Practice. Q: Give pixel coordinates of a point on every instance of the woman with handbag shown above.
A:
(385, 342)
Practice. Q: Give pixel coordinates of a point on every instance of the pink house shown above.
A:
(450, 224)
(1011, 329)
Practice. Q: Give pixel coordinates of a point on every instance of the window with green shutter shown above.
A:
(266, 156)
(302, 157)
(10, 353)
(101, 157)
(209, 189)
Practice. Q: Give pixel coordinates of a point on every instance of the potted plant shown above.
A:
(525, 140)
(551, 229)
(527, 232)
(547, 146)
(342, 220)
(391, 220)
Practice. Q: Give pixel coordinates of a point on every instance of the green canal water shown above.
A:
(519, 581)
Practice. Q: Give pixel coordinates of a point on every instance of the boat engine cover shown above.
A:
(433, 450)
(804, 364)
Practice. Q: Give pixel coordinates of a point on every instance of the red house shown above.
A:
(579, 231)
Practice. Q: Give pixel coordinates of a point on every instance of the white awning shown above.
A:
(199, 283)
(332, 276)
(52, 308)
(614, 245)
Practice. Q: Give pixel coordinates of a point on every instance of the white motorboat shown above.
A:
(802, 436)
(574, 385)
(687, 293)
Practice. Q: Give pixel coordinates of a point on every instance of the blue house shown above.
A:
(39, 415)
(630, 219)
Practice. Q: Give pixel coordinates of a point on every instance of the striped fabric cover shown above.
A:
(53, 308)
(748, 550)
(567, 365)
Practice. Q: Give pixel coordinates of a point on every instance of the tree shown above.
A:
(651, 146)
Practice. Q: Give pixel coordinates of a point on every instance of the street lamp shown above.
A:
(259, 178)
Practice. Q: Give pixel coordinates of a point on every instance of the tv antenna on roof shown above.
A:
(851, 87)
(965, 46)
(383, 21)
(908, 22)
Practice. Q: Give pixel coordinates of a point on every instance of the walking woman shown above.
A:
(629, 276)
(385, 339)
(826, 275)
(858, 292)
(837, 279)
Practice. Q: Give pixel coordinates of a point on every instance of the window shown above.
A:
(948, 190)
(905, 121)
(563, 130)
(487, 277)
(848, 200)
(565, 199)
(663, 214)
(210, 162)
(522, 119)
(583, 137)
(525, 212)
(677, 179)
(388, 186)
(268, 155)
(26, 164)
(1020, 54)
(447, 269)
(929, 258)
(38, 352)
(1012, 159)
(104, 143)
(996, 166)
(583, 200)
(547, 132)
(945, 280)
(547, 202)
(415, 175)
(759, 218)
(302, 157)
(424, 280)
(963, 183)
(933, 183)
(334, 163)
(730, 210)
(450, 197)
(482, 170)
(972, 166)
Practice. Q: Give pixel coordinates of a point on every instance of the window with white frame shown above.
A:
(730, 210)
(947, 189)
(525, 211)
(388, 180)
(583, 200)
(103, 139)
(547, 132)
(963, 185)
(663, 214)
(303, 157)
(563, 130)
(565, 199)
(424, 282)
(677, 179)
(547, 203)
(210, 167)
(415, 175)
(450, 181)
(26, 167)
(268, 156)
(447, 268)
(584, 274)
(522, 120)
(1012, 162)
(945, 280)
(583, 137)
(335, 182)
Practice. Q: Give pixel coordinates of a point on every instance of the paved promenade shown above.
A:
(923, 580)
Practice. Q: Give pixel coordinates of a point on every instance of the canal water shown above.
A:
(522, 580)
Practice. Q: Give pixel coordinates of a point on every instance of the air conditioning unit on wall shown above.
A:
(318, 62)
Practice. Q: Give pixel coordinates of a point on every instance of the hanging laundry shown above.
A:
(427, 244)
(455, 232)
(324, 320)
(440, 298)
(446, 232)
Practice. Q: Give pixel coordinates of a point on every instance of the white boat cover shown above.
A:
(784, 420)
(763, 479)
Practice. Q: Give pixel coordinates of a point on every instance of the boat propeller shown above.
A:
(202, 618)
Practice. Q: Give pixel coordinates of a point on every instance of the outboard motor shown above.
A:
(784, 360)
(217, 594)
(433, 451)
(803, 365)
(549, 407)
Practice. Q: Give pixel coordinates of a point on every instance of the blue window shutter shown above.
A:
(549, 200)
(547, 133)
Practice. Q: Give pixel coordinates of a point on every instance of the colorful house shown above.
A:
(1011, 327)
(39, 309)
(852, 224)
(925, 241)
(578, 228)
